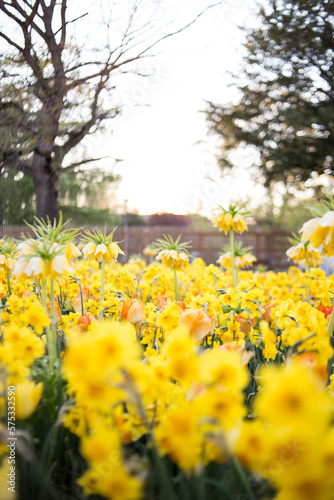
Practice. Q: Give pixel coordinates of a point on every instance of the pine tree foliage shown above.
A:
(286, 109)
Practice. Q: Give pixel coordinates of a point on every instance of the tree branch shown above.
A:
(69, 22)
(63, 25)
(8, 40)
(13, 160)
(82, 162)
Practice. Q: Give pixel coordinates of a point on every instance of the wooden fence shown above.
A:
(269, 246)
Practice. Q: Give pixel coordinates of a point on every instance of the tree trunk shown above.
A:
(46, 186)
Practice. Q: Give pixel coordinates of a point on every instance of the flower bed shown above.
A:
(162, 381)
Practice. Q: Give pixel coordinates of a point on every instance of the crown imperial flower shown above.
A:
(101, 246)
(232, 218)
(173, 253)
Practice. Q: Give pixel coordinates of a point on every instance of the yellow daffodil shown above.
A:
(241, 374)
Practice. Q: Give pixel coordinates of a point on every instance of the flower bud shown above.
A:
(133, 311)
(200, 324)
(28, 395)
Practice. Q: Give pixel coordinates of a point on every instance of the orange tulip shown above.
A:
(57, 310)
(133, 311)
(234, 347)
(85, 293)
(267, 311)
(245, 325)
(200, 324)
(162, 301)
(308, 359)
(76, 303)
(84, 321)
(231, 347)
(181, 304)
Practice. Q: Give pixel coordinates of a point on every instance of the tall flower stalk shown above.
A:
(233, 271)
(232, 220)
(174, 255)
(100, 246)
(240, 255)
(44, 258)
(151, 251)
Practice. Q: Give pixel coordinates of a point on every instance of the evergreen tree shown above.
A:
(286, 108)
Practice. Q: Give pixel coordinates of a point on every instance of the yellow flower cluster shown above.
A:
(224, 375)
(242, 261)
(173, 258)
(291, 440)
(226, 221)
(305, 253)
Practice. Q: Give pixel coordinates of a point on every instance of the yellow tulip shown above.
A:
(28, 395)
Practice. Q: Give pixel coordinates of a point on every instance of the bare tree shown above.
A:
(55, 90)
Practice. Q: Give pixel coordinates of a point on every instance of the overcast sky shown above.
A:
(162, 135)
(168, 159)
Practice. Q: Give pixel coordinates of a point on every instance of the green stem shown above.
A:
(137, 327)
(234, 277)
(307, 291)
(330, 326)
(175, 284)
(8, 285)
(53, 316)
(52, 300)
(199, 487)
(102, 284)
(81, 299)
(242, 476)
(50, 337)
